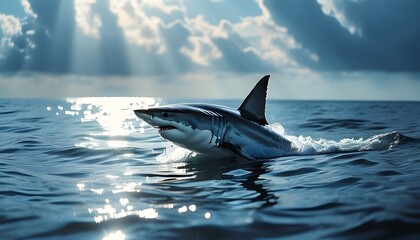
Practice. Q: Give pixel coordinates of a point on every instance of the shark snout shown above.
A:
(143, 114)
(152, 117)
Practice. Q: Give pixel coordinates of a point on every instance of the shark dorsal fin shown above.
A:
(253, 107)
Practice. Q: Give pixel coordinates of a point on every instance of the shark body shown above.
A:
(219, 130)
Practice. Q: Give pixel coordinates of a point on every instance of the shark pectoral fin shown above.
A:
(253, 107)
(237, 149)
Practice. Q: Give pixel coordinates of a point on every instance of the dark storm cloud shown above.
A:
(54, 43)
(52, 46)
(55, 50)
(61, 47)
(389, 39)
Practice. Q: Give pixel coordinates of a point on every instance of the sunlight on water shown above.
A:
(114, 115)
(80, 186)
(118, 235)
(97, 191)
(127, 187)
(117, 201)
(108, 212)
(184, 209)
(111, 113)
(117, 144)
(118, 208)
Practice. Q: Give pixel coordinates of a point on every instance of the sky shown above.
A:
(313, 50)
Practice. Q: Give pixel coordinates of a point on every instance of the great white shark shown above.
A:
(220, 130)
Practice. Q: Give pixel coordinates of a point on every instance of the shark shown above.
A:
(216, 130)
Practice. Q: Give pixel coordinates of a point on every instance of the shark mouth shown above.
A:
(165, 128)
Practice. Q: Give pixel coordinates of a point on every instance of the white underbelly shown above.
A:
(202, 141)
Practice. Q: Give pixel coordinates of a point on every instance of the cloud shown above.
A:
(266, 39)
(334, 9)
(28, 9)
(352, 35)
(15, 42)
(88, 22)
(138, 27)
(202, 49)
(133, 37)
(255, 43)
(10, 25)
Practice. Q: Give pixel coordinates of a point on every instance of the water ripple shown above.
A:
(342, 182)
(9, 112)
(296, 172)
(362, 162)
(388, 173)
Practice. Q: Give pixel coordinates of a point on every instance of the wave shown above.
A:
(308, 145)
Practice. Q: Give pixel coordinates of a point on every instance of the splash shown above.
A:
(308, 145)
(174, 153)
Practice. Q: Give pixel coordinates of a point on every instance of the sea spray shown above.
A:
(306, 144)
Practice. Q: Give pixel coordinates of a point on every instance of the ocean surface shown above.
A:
(87, 168)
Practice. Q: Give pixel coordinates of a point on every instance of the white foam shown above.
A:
(174, 153)
(308, 145)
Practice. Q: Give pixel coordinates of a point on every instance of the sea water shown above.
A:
(87, 168)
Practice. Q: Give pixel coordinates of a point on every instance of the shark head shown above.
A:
(180, 124)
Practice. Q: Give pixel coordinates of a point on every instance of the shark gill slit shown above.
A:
(222, 137)
(217, 130)
(212, 129)
(220, 131)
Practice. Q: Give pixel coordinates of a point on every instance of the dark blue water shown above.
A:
(87, 168)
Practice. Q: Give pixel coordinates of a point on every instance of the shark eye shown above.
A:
(165, 114)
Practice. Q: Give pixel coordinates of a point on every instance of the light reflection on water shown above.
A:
(114, 115)
(119, 205)
(116, 120)
(118, 235)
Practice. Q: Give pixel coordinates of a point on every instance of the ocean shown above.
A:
(87, 168)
